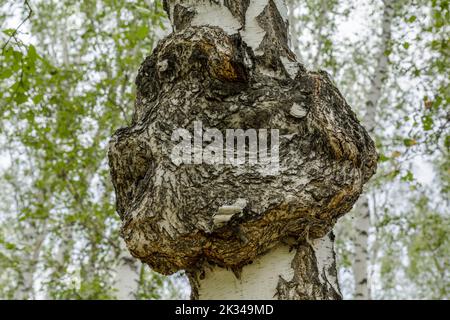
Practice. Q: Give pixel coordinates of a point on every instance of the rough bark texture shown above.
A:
(239, 74)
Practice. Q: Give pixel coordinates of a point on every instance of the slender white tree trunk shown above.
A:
(127, 275)
(26, 288)
(362, 221)
(317, 34)
(60, 262)
(294, 42)
(361, 247)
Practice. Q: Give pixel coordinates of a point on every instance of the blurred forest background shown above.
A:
(67, 72)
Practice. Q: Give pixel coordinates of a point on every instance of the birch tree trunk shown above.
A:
(361, 247)
(362, 221)
(259, 230)
(127, 275)
(25, 290)
(305, 273)
(61, 260)
(294, 43)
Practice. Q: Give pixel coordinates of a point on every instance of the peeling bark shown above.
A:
(302, 273)
(315, 274)
(238, 74)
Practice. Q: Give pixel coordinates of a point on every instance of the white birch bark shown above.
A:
(282, 273)
(361, 254)
(33, 234)
(362, 221)
(293, 32)
(26, 287)
(317, 34)
(61, 259)
(127, 275)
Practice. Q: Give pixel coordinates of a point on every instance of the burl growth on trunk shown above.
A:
(237, 72)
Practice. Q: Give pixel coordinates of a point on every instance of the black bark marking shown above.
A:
(182, 17)
(238, 9)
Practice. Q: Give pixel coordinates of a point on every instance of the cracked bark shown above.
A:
(236, 73)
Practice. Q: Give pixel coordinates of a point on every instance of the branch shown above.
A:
(30, 13)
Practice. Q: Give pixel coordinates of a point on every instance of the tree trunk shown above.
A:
(25, 290)
(60, 262)
(308, 272)
(241, 222)
(361, 247)
(127, 275)
(294, 43)
(362, 221)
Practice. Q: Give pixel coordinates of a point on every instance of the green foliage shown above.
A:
(423, 233)
(412, 128)
(67, 84)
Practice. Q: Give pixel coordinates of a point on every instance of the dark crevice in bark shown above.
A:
(238, 9)
(309, 282)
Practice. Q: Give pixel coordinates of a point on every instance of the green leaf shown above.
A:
(10, 246)
(447, 141)
(412, 19)
(427, 123)
(38, 98)
(437, 102)
(408, 177)
(6, 73)
(409, 142)
(32, 54)
(142, 32)
(383, 158)
(143, 10)
(9, 32)
(20, 98)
